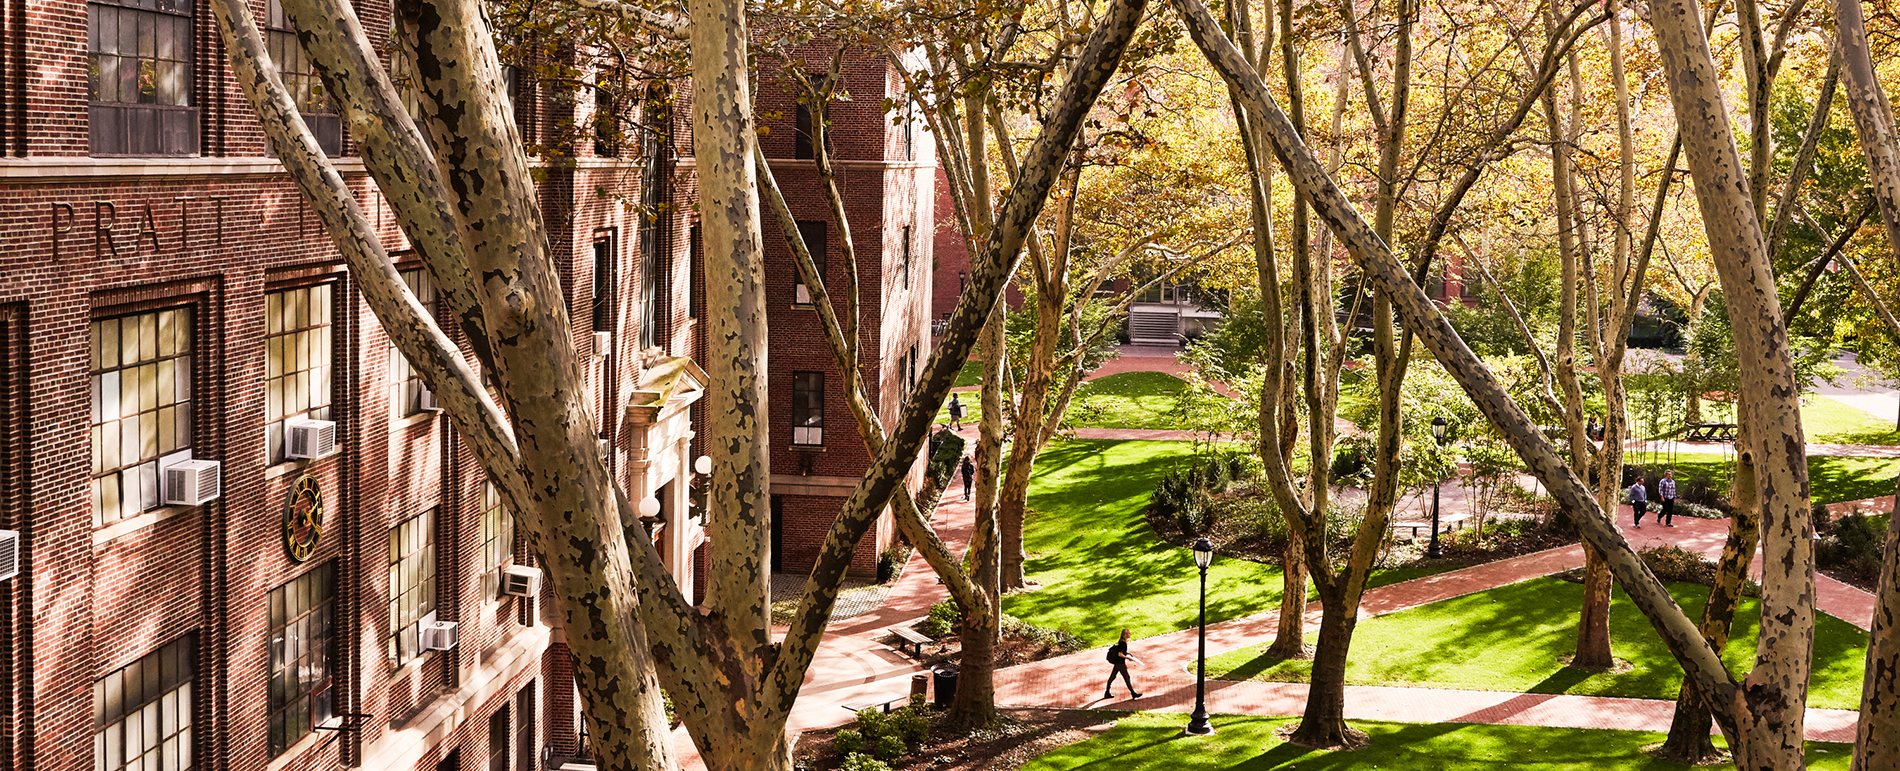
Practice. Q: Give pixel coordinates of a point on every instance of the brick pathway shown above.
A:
(853, 667)
(1168, 682)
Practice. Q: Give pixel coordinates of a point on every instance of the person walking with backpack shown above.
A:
(1118, 658)
(1639, 500)
(956, 413)
(969, 475)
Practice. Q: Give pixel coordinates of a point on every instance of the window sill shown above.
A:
(807, 448)
(307, 744)
(420, 417)
(128, 526)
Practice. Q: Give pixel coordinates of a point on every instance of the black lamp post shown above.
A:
(1197, 724)
(1438, 435)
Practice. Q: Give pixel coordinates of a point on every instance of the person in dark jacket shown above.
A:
(1639, 501)
(969, 475)
(956, 413)
(1118, 658)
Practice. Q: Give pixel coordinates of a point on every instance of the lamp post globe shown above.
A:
(1438, 435)
(1198, 723)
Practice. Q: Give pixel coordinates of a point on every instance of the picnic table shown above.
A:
(1446, 521)
(1709, 432)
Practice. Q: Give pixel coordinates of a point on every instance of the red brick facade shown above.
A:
(83, 238)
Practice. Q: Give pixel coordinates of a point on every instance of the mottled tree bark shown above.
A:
(1771, 705)
(1877, 742)
(1785, 643)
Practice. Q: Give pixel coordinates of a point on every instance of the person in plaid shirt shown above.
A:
(1666, 492)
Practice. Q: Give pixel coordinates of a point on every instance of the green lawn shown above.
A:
(1100, 565)
(1828, 421)
(1128, 400)
(1832, 479)
(1155, 741)
(970, 376)
(1512, 638)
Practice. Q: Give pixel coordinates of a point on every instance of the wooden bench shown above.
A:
(914, 638)
(1445, 522)
(1709, 432)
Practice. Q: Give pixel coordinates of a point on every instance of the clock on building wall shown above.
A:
(303, 518)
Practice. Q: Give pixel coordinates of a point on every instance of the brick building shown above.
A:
(167, 300)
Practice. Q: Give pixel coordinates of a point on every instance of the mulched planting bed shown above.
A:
(1019, 736)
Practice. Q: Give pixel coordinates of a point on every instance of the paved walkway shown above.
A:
(1169, 683)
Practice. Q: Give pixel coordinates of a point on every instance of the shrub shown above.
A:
(1054, 639)
(1697, 511)
(910, 725)
(943, 620)
(1674, 563)
(861, 762)
(891, 562)
(873, 724)
(889, 747)
(1854, 548)
(848, 741)
(943, 462)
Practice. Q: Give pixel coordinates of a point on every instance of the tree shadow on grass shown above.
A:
(1102, 567)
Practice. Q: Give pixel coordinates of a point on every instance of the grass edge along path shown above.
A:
(1511, 639)
(1149, 740)
(1100, 565)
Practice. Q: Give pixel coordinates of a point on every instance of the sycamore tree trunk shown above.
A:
(1689, 740)
(1593, 618)
(1770, 732)
(1764, 718)
(1878, 741)
(733, 688)
(434, 216)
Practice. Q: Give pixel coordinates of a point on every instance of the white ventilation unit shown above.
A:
(520, 581)
(425, 401)
(9, 554)
(440, 635)
(306, 438)
(603, 343)
(192, 482)
(607, 449)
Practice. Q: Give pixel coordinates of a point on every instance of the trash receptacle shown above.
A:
(919, 686)
(944, 679)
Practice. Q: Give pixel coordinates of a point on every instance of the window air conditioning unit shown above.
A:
(603, 342)
(520, 581)
(607, 449)
(9, 554)
(192, 482)
(440, 635)
(306, 438)
(426, 401)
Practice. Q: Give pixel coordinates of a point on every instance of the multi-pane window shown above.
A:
(411, 585)
(903, 259)
(405, 386)
(300, 647)
(142, 713)
(656, 313)
(141, 407)
(813, 232)
(301, 80)
(498, 739)
(498, 540)
(802, 129)
(297, 348)
(692, 273)
(139, 77)
(808, 408)
(603, 283)
(607, 128)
